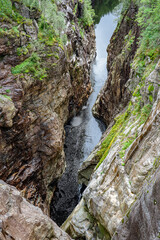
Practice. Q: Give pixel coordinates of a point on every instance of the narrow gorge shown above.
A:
(84, 126)
(64, 173)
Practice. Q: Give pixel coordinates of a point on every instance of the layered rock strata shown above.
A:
(33, 110)
(121, 173)
(117, 183)
(21, 220)
(114, 95)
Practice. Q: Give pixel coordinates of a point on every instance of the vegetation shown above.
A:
(88, 14)
(118, 127)
(32, 65)
(51, 31)
(148, 19)
(5, 7)
(144, 63)
(50, 14)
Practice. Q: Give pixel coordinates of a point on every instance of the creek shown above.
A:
(83, 132)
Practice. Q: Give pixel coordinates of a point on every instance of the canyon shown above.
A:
(110, 186)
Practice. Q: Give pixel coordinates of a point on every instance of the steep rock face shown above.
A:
(21, 220)
(142, 221)
(33, 109)
(116, 183)
(123, 45)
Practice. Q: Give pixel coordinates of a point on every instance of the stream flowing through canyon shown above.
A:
(83, 132)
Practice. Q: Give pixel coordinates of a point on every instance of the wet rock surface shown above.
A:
(67, 193)
(21, 220)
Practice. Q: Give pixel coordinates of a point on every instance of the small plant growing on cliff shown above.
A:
(50, 16)
(6, 7)
(148, 19)
(31, 65)
(88, 14)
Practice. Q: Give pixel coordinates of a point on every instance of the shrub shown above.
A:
(88, 14)
(149, 21)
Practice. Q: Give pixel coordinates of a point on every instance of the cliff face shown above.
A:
(21, 220)
(42, 84)
(121, 173)
(114, 95)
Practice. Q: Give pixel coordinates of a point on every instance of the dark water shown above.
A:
(103, 7)
(84, 131)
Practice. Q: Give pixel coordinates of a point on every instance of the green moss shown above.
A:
(136, 92)
(158, 236)
(103, 233)
(8, 90)
(128, 213)
(150, 88)
(126, 145)
(156, 162)
(138, 114)
(22, 51)
(145, 111)
(114, 132)
(4, 95)
(31, 65)
(151, 98)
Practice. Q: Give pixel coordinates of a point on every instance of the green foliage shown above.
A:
(145, 111)
(134, 112)
(150, 88)
(6, 7)
(8, 90)
(50, 14)
(4, 95)
(31, 65)
(149, 21)
(22, 51)
(81, 32)
(114, 132)
(151, 98)
(126, 145)
(88, 14)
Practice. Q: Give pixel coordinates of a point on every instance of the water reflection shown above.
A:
(103, 7)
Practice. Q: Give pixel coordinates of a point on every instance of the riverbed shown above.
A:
(83, 132)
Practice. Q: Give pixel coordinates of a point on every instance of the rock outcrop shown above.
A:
(21, 220)
(116, 184)
(35, 102)
(142, 220)
(114, 95)
(121, 173)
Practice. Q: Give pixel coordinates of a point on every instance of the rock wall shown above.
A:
(21, 220)
(34, 108)
(117, 183)
(121, 174)
(142, 220)
(114, 95)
